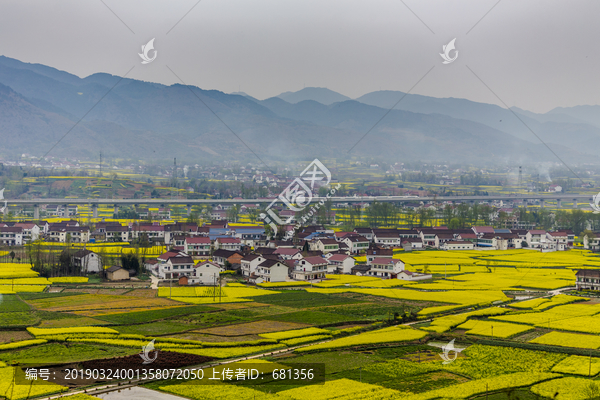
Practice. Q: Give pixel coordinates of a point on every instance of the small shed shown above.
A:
(116, 273)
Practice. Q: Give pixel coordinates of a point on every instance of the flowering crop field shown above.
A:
(61, 331)
(569, 340)
(562, 315)
(25, 281)
(580, 317)
(569, 388)
(578, 365)
(185, 291)
(281, 284)
(443, 324)
(87, 302)
(455, 297)
(228, 352)
(14, 392)
(295, 333)
(247, 292)
(14, 270)
(400, 368)
(480, 386)
(559, 300)
(532, 303)
(239, 320)
(10, 289)
(137, 343)
(304, 339)
(219, 392)
(69, 279)
(209, 300)
(364, 281)
(22, 343)
(205, 295)
(493, 328)
(385, 335)
(504, 279)
(488, 361)
(341, 389)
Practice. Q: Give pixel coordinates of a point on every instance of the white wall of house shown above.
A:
(386, 270)
(413, 277)
(275, 273)
(91, 263)
(205, 275)
(249, 267)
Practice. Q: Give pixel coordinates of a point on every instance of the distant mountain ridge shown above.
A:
(321, 95)
(144, 120)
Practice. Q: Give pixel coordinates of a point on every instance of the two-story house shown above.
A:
(11, 236)
(536, 239)
(117, 233)
(288, 254)
(559, 240)
(310, 268)
(205, 273)
(325, 245)
(225, 257)
(198, 246)
(249, 263)
(587, 279)
(374, 253)
(386, 267)
(271, 271)
(87, 261)
(228, 243)
(175, 265)
(31, 231)
(356, 244)
(386, 239)
(340, 263)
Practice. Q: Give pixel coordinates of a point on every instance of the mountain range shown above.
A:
(47, 111)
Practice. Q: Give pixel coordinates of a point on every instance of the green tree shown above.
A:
(193, 218)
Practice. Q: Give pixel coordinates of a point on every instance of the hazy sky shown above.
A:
(534, 54)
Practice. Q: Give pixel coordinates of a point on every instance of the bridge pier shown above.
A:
(575, 203)
(542, 204)
(189, 210)
(558, 203)
(36, 211)
(95, 210)
(116, 209)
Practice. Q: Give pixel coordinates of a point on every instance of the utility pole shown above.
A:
(170, 286)
(590, 369)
